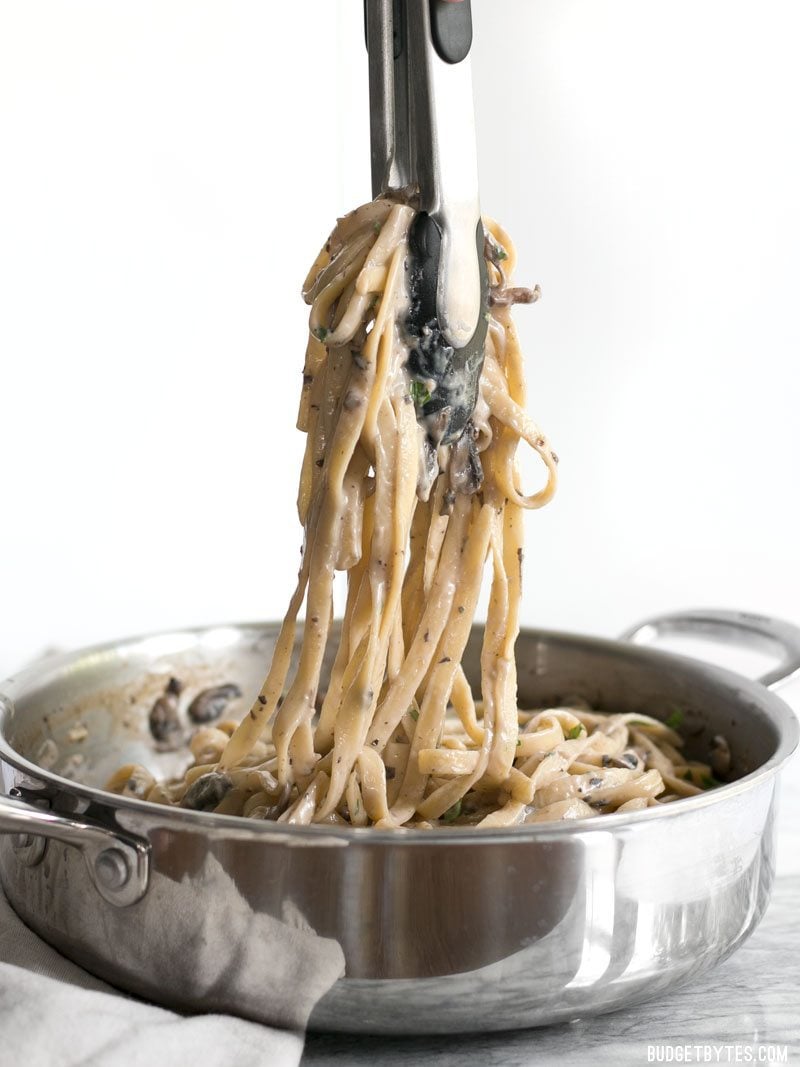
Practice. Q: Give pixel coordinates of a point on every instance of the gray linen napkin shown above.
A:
(54, 1014)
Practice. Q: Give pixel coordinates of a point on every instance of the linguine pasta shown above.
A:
(397, 739)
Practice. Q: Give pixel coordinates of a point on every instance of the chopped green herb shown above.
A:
(519, 741)
(321, 332)
(487, 315)
(574, 733)
(419, 394)
(501, 254)
(674, 719)
(452, 813)
(377, 226)
(413, 713)
(708, 782)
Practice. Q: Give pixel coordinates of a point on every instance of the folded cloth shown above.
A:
(54, 1014)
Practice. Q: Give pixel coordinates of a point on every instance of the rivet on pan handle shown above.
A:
(118, 863)
(741, 629)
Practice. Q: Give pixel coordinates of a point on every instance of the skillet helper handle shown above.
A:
(741, 629)
(119, 863)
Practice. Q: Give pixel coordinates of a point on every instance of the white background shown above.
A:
(167, 173)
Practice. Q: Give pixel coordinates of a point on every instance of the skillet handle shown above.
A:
(738, 628)
(118, 863)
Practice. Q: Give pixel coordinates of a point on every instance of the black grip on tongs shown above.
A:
(451, 29)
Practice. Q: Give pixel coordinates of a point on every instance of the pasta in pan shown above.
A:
(397, 738)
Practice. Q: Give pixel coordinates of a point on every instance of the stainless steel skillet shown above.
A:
(409, 932)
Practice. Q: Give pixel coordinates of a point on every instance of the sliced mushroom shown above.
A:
(628, 759)
(514, 294)
(206, 791)
(211, 703)
(165, 725)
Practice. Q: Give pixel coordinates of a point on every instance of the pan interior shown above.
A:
(84, 715)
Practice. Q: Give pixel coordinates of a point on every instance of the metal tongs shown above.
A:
(423, 149)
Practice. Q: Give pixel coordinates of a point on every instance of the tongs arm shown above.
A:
(423, 134)
(423, 137)
(388, 96)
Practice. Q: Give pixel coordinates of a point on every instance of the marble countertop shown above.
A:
(750, 1000)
